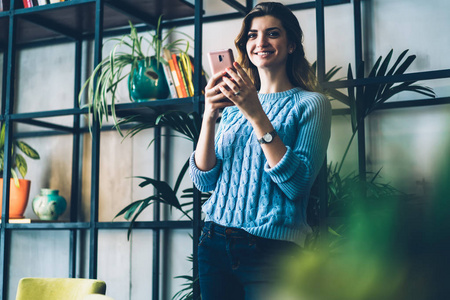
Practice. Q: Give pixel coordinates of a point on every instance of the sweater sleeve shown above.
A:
(296, 171)
(205, 181)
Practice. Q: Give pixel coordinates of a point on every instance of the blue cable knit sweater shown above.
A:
(248, 194)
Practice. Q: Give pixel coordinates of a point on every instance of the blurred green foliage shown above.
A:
(392, 250)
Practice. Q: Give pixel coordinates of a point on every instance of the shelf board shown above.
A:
(76, 19)
(59, 225)
(152, 107)
(146, 225)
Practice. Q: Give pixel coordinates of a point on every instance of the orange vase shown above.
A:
(18, 197)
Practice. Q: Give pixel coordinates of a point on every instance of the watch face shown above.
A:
(267, 137)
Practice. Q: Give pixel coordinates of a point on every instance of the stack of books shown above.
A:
(32, 3)
(179, 72)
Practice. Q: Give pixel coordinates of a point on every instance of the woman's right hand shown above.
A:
(214, 99)
(205, 156)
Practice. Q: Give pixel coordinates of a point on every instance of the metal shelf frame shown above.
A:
(44, 26)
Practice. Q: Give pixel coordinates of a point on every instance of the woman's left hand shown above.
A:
(242, 92)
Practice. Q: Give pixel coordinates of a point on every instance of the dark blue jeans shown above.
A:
(234, 264)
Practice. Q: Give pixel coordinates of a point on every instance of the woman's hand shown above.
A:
(214, 98)
(240, 90)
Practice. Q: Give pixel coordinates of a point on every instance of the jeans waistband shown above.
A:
(213, 228)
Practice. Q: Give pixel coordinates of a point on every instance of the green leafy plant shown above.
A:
(188, 126)
(342, 189)
(373, 96)
(331, 93)
(121, 62)
(18, 161)
(386, 254)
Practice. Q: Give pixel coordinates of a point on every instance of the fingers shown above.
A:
(213, 93)
(232, 86)
(241, 71)
(239, 75)
(232, 93)
(213, 80)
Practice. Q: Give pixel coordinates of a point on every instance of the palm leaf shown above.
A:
(382, 71)
(383, 68)
(368, 97)
(189, 194)
(352, 100)
(394, 71)
(146, 203)
(181, 175)
(166, 193)
(332, 72)
(129, 210)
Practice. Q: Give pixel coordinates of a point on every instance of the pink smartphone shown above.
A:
(220, 60)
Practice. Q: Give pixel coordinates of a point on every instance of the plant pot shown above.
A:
(148, 82)
(49, 205)
(18, 197)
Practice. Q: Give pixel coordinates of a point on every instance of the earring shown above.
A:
(290, 51)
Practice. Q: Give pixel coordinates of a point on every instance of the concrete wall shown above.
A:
(406, 143)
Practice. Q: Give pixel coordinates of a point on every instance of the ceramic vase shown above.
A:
(148, 81)
(49, 205)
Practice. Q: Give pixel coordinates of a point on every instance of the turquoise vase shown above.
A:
(148, 82)
(49, 205)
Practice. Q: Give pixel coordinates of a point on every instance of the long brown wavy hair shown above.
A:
(298, 68)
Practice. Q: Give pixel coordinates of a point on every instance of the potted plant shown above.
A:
(130, 58)
(19, 188)
(343, 187)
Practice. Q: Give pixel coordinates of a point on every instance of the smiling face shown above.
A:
(267, 43)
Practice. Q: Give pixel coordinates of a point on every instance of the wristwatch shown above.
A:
(268, 137)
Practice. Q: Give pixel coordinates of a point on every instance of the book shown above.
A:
(168, 73)
(204, 80)
(42, 2)
(4, 5)
(18, 221)
(170, 82)
(176, 82)
(180, 79)
(27, 3)
(188, 72)
(183, 77)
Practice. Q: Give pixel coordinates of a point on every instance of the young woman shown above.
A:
(263, 160)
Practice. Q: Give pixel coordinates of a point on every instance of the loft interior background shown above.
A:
(407, 143)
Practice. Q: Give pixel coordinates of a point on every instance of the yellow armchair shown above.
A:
(58, 288)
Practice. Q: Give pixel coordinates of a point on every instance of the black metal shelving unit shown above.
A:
(77, 21)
